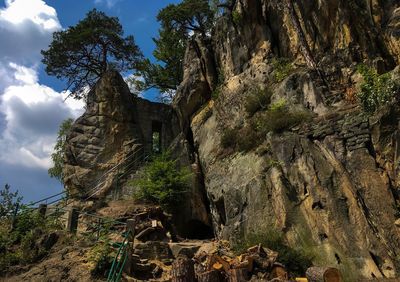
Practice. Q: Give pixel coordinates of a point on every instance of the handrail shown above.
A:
(117, 266)
(98, 183)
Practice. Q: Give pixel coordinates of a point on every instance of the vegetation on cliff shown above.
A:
(58, 154)
(162, 182)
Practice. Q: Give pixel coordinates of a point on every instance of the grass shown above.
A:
(282, 68)
(277, 118)
(376, 90)
(258, 99)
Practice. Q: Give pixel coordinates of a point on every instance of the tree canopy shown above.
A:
(58, 155)
(178, 22)
(82, 53)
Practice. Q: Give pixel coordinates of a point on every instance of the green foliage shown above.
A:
(8, 202)
(295, 259)
(168, 73)
(278, 118)
(376, 90)
(229, 138)
(19, 245)
(236, 17)
(282, 68)
(83, 53)
(257, 100)
(177, 22)
(58, 155)
(101, 256)
(162, 182)
(188, 15)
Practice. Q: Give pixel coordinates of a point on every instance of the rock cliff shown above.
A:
(327, 176)
(113, 136)
(330, 184)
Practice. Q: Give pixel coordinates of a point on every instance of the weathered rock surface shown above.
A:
(113, 136)
(331, 185)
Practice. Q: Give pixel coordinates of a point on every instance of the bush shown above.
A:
(257, 100)
(8, 202)
(101, 256)
(249, 139)
(228, 138)
(236, 17)
(375, 90)
(162, 182)
(278, 118)
(282, 68)
(295, 259)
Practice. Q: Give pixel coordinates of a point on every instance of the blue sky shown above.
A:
(31, 103)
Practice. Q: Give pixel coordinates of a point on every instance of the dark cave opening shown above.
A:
(195, 229)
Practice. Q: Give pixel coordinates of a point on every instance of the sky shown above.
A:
(32, 103)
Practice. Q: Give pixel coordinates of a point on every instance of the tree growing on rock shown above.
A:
(82, 53)
(178, 22)
(58, 155)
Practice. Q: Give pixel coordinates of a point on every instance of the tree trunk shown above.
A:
(209, 276)
(183, 270)
(237, 275)
(305, 49)
(323, 274)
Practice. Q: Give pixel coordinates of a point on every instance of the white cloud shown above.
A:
(30, 113)
(33, 113)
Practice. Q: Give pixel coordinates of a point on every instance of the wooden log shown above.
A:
(209, 276)
(323, 274)
(279, 271)
(183, 270)
(238, 275)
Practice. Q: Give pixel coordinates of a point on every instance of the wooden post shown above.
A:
(130, 226)
(323, 274)
(72, 224)
(42, 210)
(129, 265)
(209, 276)
(238, 275)
(183, 270)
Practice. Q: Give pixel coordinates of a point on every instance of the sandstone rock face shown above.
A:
(113, 135)
(330, 185)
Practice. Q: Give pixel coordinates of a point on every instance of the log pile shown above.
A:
(222, 265)
(255, 264)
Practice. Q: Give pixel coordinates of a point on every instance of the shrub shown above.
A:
(228, 138)
(282, 68)
(278, 118)
(257, 100)
(295, 259)
(8, 201)
(101, 256)
(249, 139)
(375, 90)
(162, 182)
(236, 17)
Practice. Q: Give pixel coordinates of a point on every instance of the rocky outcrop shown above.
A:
(331, 184)
(113, 136)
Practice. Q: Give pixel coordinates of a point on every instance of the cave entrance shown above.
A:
(195, 229)
(156, 128)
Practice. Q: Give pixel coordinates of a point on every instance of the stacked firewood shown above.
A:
(255, 264)
(222, 265)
